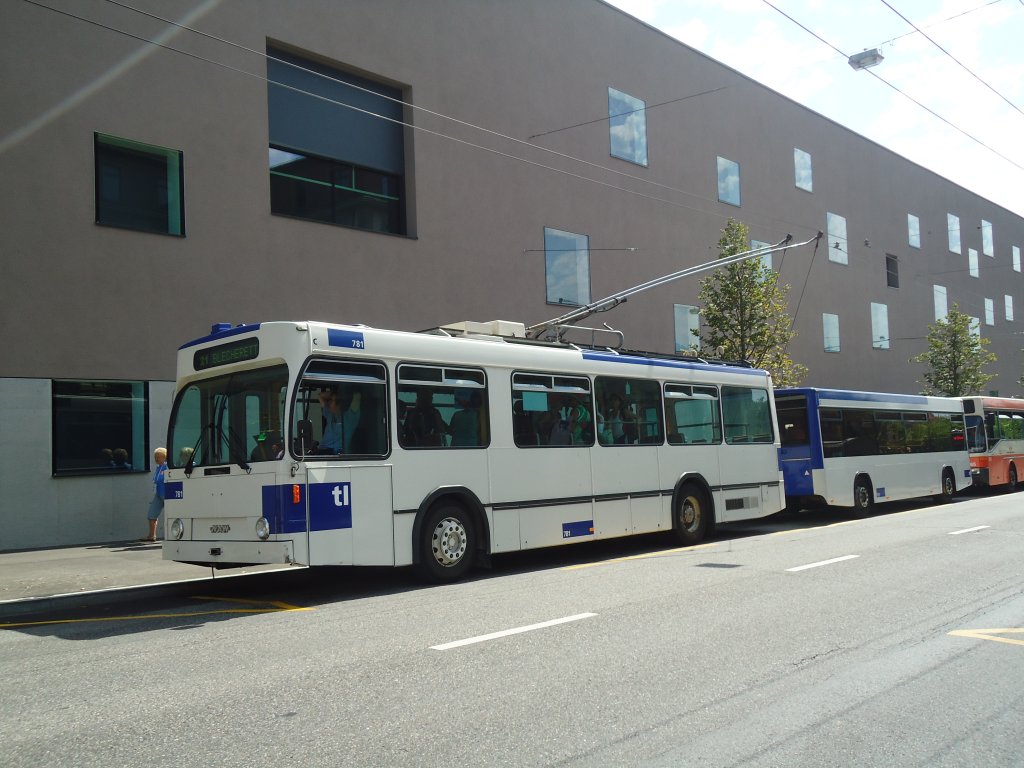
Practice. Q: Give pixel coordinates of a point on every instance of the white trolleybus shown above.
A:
(319, 444)
(853, 449)
(995, 435)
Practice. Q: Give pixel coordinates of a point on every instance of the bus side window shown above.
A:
(442, 407)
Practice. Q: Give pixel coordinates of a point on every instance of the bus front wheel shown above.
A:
(863, 501)
(691, 516)
(447, 543)
(1011, 483)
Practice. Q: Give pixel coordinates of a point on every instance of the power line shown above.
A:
(936, 23)
(954, 58)
(929, 110)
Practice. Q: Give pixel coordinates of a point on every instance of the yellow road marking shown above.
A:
(992, 634)
(659, 553)
(277, 607)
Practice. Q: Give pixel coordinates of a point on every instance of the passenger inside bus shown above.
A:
(341, 412)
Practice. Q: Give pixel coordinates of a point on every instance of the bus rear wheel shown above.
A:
(1011, 483)
(691, 516)
(863, 501)
(447, 543)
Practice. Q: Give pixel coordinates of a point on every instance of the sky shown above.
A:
(985, 37)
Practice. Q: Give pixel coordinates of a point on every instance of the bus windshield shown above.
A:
(976, 434)
(231, 419)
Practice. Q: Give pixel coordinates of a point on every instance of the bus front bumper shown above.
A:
(979, 476)
(229, 554)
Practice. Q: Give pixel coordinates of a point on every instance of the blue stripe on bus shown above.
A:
(856, 397)
(330, 507)
(237, 330)
(578, 528)
(605, 357)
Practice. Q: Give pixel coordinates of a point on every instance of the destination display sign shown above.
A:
(225, 354)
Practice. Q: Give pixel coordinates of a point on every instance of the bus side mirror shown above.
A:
(305, 437)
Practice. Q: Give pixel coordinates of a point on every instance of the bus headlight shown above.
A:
(263, 528)
(177, 528)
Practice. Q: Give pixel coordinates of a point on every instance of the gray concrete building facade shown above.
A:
(175, 164)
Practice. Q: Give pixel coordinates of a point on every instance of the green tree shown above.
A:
(744, 311)
(955, 357)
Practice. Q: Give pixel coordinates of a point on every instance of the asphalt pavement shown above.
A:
(38, 579)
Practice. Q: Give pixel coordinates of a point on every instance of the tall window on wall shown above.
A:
(728, 181)
(990, 312)
(939, 297)
(687, 327)
(879, 326)
(972, 262)
(566, 267)
(838, 246)
(139, 186)
(100, 427)
(766, 260)
(830, 332)
(1008, 306)
(802, 170)
(913, 231)
(892, 271)
(627, 120)
(337, 146)
(1016, 258)
(953, 229)
(987, 246)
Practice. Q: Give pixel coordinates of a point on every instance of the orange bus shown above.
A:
(995, 437)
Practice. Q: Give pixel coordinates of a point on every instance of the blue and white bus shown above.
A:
(317, 444)
(853, 449)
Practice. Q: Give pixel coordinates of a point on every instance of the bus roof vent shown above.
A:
(506, 328)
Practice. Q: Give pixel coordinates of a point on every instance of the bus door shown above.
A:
(349, 514)
(795, 454)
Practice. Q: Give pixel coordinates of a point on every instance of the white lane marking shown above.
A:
(507, 632)
(823, 562)
(970, 530)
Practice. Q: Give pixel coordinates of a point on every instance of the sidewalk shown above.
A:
(40, 574)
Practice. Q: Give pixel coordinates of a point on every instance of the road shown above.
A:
(807, 640)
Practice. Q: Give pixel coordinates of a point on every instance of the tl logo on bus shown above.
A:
(330, 506)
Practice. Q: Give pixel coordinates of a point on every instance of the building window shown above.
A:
(972, 262)
(728, 181)
(990, 312)
(1008, 302)
(838, 248)
(100, 427)
(687, 327)
(987, 246)
(879, 326)
(566, 267)
(802, 170)
(830, 332)
(941, 308)
(892, 271)
(627, 121)
(953, 229)
(1016, 258)
(337, 146)
(139, 186)
(913, 231)
(766, 260)
(976, 327)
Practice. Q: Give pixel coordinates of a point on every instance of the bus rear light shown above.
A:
(296, 494)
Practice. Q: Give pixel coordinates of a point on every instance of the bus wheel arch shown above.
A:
(450, 535)
(863, 494)
(693, 510)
